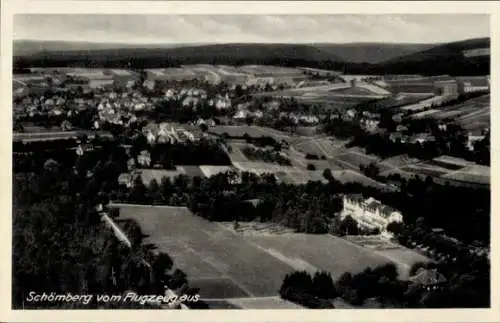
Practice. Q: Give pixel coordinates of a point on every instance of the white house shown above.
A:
(370, 213)
(144, 158)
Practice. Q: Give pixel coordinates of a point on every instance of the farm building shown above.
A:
(473, 84)
(446, 88)
(412, 87)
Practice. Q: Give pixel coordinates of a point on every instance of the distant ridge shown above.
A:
(354, 52)
(444, 58)
(31, 47)
(356, 58)
(373, 53)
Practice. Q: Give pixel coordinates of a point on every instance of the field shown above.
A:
(426, 103)
(324, 164)
(262, 168)
(353, 159)
(260, 70)
(401, 256)
(452, 162)
(349, 176)
(319, 147)
(301, 176)
(54, 135)
(236, 155)
(248, 75)
(209, 170)
(324, 94)
(353, 91)
(472, 114)
(400, 99)
(319, 252)
(252, 131)
(271, 303)
(219, 262)
(424, 169)
(226, 264)
(192, 171)
(399, 161)
(474, 174)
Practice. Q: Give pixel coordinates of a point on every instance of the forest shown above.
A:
(61, 245)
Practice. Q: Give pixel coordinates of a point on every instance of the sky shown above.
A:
(152, 29)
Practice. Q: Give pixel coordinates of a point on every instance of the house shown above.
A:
(241, 114)
(66, 125)
(83, 148)
(446, 88)
(442, 127)
(398, 117)
(398, 136)
(309, 119)
(144, 158)
(421, 138)
(369, 125)
(401, 128)
(125, 179)
(370, 213)
(350, 114)
(428, 279)
(151, 138)
(472, 138)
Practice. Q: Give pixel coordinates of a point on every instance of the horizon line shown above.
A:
(200, 43)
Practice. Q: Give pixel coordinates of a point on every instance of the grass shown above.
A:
(252, 131)
(236, 155)
(476, 110)
(301, 177)
(353, 91)
(264, 303)
(349, 176)
(207, 250)
(355, 159)
(192, 171)
(425, 170)
(323, 252)
(404, 257)
(228, 265)
(217, 288)
(209, 170)
(473, 174)
(262, 167)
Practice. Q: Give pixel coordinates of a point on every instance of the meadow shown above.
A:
(219, 262)
(225, 264)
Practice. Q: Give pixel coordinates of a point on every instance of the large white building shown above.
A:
(370, 213)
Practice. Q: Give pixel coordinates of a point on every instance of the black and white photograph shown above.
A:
(250, 161)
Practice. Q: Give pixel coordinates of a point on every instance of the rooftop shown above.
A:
(427, 277)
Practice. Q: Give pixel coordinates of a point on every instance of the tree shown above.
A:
(311, 167)
(323, 286)
(327, 173)
(138, 191)
(349, 226)
(395, 227)
(114, 212)
(155, 192)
